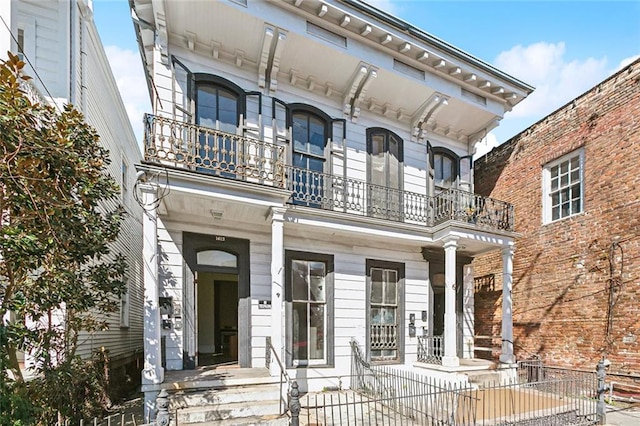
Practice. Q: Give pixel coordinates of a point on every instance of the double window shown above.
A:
(563, 187)
(309, 296)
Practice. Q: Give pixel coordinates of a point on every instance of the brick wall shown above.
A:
(563, 308)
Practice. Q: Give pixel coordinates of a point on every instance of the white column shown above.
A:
(468, 313)
(450, 358)
(277, 285)
(152, 372)
(507, 355)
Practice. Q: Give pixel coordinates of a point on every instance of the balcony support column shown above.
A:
(507, 355)
(152, 372)
(277, 285)
(450, 358)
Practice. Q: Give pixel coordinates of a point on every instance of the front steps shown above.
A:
(226, 397)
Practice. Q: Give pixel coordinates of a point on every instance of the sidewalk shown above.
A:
(620, 416)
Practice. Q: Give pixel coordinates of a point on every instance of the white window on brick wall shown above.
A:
(563, 187)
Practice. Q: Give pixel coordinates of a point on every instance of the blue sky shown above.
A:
(562, 48)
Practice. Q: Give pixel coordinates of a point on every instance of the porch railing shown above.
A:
(187, 146)
(455, 204)
(183, 145)
(271, 354)
(431, 349)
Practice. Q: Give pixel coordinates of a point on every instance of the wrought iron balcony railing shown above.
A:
(455, 204)
(184, 145)
(188, 146)
(331, 192)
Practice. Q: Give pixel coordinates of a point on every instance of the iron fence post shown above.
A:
(601, 374)
(162, 403)
(294, 404)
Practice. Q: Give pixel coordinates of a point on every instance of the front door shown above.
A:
(216, 301)
(217, 318)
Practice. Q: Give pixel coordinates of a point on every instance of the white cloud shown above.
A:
(557, 81)
(485, 145)
(626, 61)
(126, 66)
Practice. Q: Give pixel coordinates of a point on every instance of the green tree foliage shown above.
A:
(58, 278)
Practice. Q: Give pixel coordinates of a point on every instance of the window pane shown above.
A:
(554, 184)
(564, 167)
(555, 213)
(217, 258)
(317, 137)
(300, 133)
(227, 111)
(564, 180)
(575, 163)
(394, 171)
(315, 164)
(575, 206)
(316, 278)
(300, 286)
(565, 210)
(299, 337)
(390, 296)
(555, 199)
(316, 331)
(376, 285)
(207, 107)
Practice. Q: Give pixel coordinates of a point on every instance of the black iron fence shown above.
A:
(533, 394)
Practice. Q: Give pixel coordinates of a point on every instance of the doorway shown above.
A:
(217, 318)
(216, 301)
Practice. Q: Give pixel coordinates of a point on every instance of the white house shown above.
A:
(59, 42)
(308, 181)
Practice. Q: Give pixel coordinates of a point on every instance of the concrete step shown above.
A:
(250, 421)
(223, 396)
(236, 412)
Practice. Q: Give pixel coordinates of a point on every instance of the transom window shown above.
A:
(563, 187)
(217, 258)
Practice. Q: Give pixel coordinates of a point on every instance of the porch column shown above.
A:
(277, 285)
(507, 355)
(152, 372)
(450, 358)
(468, 312)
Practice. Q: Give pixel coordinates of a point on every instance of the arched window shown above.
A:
(310, 133)
(217, 258)
(384, 173)
(445, 164)
(219, 104)
(451, 171)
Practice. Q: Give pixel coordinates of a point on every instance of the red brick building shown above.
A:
(574, 179)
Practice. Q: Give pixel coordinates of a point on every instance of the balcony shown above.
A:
(187, 146)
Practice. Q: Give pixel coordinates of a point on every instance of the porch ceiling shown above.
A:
(236, 35)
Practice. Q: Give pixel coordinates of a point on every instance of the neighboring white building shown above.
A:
(309, 180)
(64, 55)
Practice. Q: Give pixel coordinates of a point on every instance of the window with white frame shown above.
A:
(563, 189)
